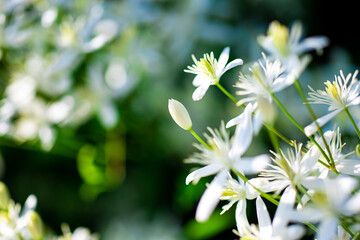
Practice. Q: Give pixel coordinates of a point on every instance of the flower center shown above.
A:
(334, 90)
(207, 65)
(280, 35)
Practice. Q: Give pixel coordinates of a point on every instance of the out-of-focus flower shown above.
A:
(88, 33)
(331, 198)
(266, 77)
(24, 223)
(208, 71)
(34, 225)
(180, 115)
(4, 196)
(288, 47)
(13, 220)
(342, 93)
(80, 233)
(225, 154)
(278, 229)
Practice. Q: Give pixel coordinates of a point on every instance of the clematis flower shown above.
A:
(289, 169)
(225, 154)
(343, 164)
(238, 192)
(208, 71)
(287, 46)
(331, 199)
(278, 229)
(266, 77)
(340, 94)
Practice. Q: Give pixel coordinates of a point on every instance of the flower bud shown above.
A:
(4, 196)
(34, 224)
(357, 150)
(180, 115)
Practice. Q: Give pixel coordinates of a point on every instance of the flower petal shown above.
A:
(312, 128)
(223, 59)
(240, 216)
(352, 206)
(261, 183)
(349, 166)
(235, 121)
(252, 165)
(211, 197)
(203, 172)
(327, 229)
(285, 206)
(312, 43)
(200, 92)
(200, 80)
(231, 65)
(243, 134)
(263, 219)
(295, 231)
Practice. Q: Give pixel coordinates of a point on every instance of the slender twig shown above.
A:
(352, 121)
(199, 139)
(314, 118)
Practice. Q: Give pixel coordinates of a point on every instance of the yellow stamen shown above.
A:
(207, 65)
(333, 89)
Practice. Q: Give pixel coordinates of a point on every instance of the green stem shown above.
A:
(301, 128)
(274, 140)
(287, 113)
(265, 124)
(314, 118)
(199, 139)
(352, 121)
(347, 229)
(263, 194)
(226, 92)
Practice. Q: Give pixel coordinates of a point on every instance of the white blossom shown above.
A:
(339, 95)
(225, 155)
(208, 71)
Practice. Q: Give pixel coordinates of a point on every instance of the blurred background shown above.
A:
(84, 88)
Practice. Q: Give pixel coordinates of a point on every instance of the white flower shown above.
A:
(331, 199)
(288, 47)
(339, 94)
(256, 119)
(225, 154)
(79, 233)
(13, 221)
(281, 43)
(238, 192)
(289, 169)
(266, 77)
(208, 71)
(277, 229)
(342, 163)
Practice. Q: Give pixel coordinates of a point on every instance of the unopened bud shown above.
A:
(34, 224)
(180, 115)
(358, 150)
(4, 196)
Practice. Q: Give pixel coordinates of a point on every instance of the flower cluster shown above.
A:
(24, 223)
(66, 73)
(314, 186)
